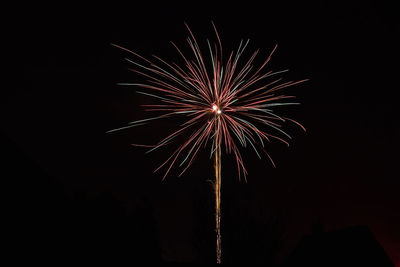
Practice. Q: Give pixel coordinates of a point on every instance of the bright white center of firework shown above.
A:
(216, 109)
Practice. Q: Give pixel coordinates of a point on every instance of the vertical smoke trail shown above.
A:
(218, 199)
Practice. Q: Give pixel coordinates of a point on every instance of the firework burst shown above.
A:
(227, 104)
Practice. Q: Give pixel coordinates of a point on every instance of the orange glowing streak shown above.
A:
(217, 187)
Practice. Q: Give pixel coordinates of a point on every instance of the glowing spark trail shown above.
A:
(229, 103)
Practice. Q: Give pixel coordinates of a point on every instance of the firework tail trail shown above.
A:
(217, 189)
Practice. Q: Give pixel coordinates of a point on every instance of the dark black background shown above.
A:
(76, 191)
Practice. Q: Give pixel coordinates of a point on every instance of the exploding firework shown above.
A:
(226, 104)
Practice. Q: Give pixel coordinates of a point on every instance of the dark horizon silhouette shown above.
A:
(99, 227)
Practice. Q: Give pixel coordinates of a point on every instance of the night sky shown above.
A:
(80, 189)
